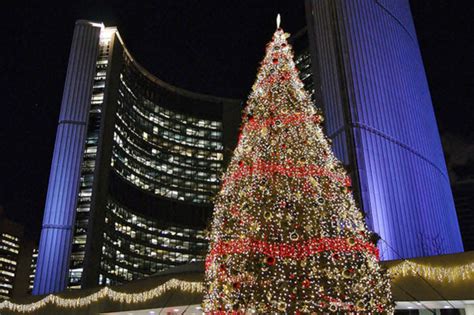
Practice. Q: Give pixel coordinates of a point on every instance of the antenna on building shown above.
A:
(278, 20)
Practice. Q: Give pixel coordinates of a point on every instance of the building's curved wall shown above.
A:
(169, 153)
(379, 112)
(166, 160)
(136, 246)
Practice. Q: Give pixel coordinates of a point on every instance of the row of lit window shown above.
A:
(10, 243)
(129, 233)
(143, 257)
(127, 129)
(187, 158)
(10, 237)
(120, 213)
(8, 261)
(168, 114)
(174, 126)
(142, 176)
(158, 188)
(9, 249)
(154, 135)
(155, 164)
(129, 135)
(173, 180)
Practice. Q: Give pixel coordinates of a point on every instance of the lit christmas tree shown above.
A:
(287, 236)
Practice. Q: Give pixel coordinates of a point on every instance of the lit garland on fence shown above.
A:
(404, 269)
(106, 292)
(433, 273)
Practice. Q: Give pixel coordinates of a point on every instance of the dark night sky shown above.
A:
(206, 46)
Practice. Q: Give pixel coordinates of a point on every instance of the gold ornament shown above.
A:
(267, 215)
(360, 305)
(347, 274)
(281, 306)
(294, 236)
(351, 241)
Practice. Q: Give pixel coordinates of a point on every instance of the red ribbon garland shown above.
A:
(294, 250)
(294, 119)
(263, 168)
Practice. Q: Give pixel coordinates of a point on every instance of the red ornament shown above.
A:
(292, 276)
(305, 283)
(275, 61)
(236, 285)
(270, 261)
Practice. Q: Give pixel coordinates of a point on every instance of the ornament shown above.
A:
(281, 306)
(269, 296)
(333, 308)
(270, 261)
(267, 215)
(320, 201)
(275, 61)
(306, 283)
(346, 274)
(294, 236)
(351, 241)
(360, 305)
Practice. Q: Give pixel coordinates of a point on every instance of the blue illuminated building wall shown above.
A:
(370, 79)
(136, 164)
(59, 215)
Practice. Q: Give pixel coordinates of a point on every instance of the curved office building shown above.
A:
(371, 83)
(144, 160)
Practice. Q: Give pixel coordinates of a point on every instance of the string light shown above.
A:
(403, 269)
(287, 236)
(294, 250)
(267, 169)
(105, 293)
(433, 273)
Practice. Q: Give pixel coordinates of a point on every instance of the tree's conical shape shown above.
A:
(286, 235)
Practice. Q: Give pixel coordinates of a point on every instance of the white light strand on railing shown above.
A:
(106, 292)
(434, 273)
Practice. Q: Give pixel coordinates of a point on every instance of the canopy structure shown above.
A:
(427, 283)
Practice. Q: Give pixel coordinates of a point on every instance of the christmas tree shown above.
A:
(287, 236)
